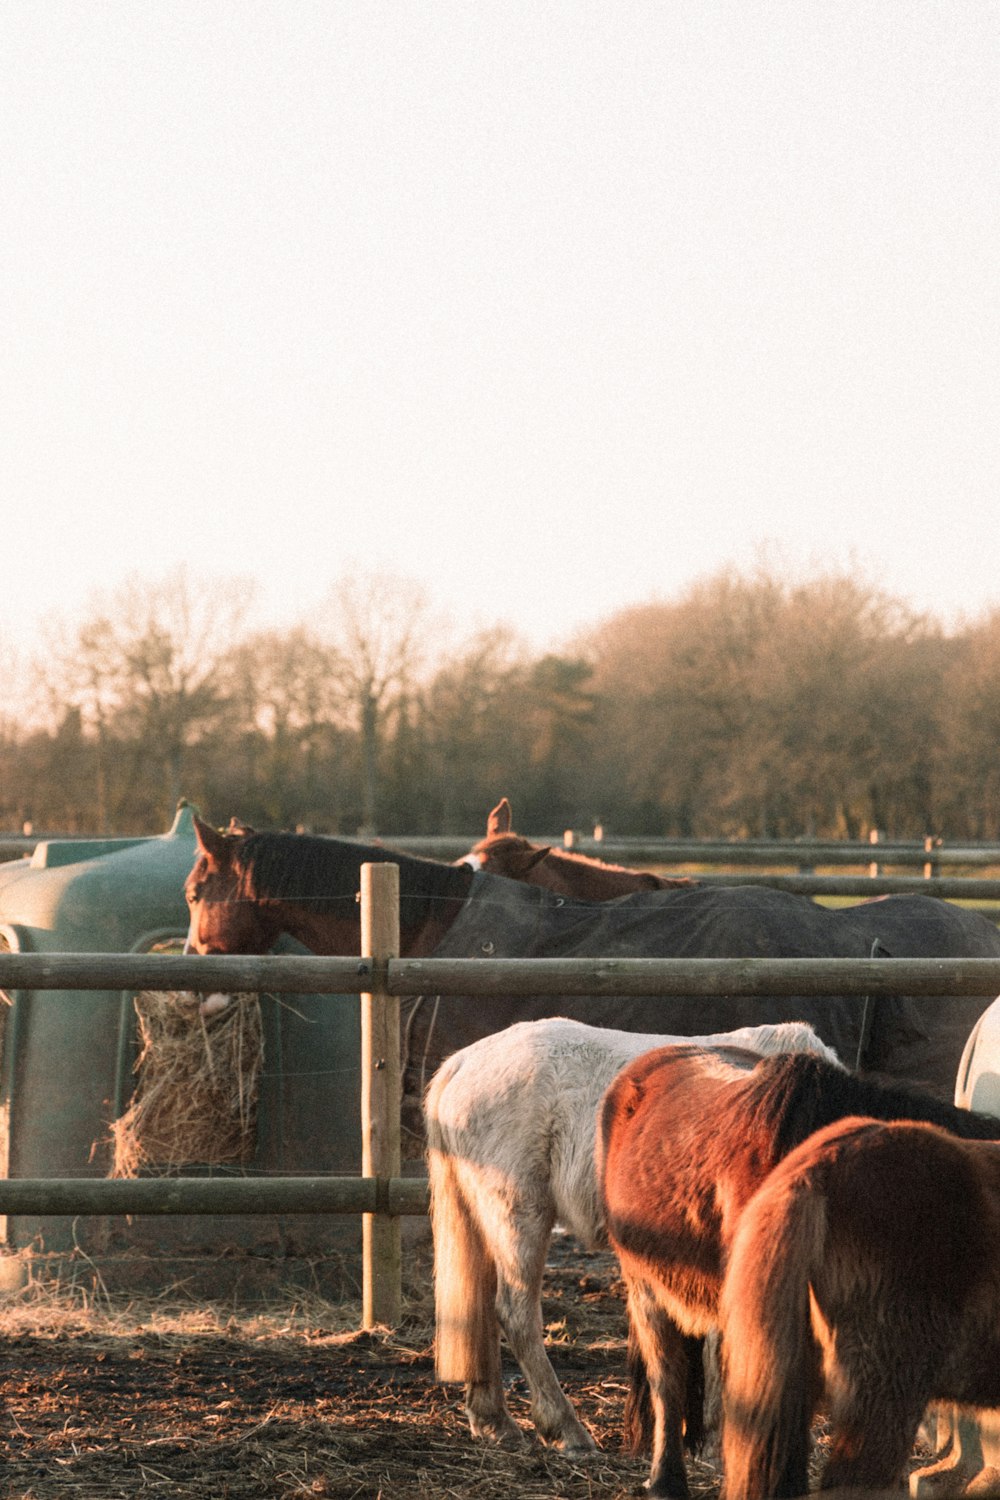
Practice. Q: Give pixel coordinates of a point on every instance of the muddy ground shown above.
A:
(288, 1401)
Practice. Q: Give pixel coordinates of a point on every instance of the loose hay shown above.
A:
(196, 1096)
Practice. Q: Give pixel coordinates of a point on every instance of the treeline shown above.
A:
(751, 706)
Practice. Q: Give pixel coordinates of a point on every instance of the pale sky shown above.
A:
(553, 307)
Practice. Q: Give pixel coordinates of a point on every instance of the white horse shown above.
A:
(511, 1123)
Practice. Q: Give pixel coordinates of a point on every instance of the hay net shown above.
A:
(195, 1099)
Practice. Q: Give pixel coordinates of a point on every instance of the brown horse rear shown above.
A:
(870, 1257)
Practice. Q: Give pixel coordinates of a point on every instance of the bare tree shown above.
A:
(476, 742)
(287, 709)
(81, 681)
(143, 674)
(379, 624)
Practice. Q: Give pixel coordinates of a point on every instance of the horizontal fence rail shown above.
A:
(305, 974)
(650, 850)
(695, 976)
(950, 887)
(796, 852)
(213, 1195)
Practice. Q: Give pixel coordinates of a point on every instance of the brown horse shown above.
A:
(868, 1262)
(685, 1138)
(575, 876)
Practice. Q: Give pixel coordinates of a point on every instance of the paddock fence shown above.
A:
(380, 977)
(931, 855)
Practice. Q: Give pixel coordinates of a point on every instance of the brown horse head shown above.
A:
(503, 852)
(222, 920)
(246, 888)
(564, 872)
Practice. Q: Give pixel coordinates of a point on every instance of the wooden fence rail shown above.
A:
(213, 1195)
(929, 854)
(304, 974)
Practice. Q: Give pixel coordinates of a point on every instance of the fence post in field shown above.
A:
(930, 867)
(380, 1099)
(873, 838)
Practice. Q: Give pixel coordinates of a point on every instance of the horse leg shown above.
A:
(874, 1419)
(520, 1268)
(663, 1351)
(487, 1411)
(485, 1406)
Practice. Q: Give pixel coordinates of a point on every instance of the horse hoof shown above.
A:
(505, 1435)
(514, 1441)
(580, 1447)
(578, 1454)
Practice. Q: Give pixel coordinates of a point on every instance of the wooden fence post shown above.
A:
(382, 1295)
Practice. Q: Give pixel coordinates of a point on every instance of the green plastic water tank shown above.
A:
(67, 1073)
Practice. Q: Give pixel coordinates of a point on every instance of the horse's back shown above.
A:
(660, 1116)
(579, 1061)
(706, 921)
(916, 926)
(661, 1088)
(522, 1104)
(905, 1037)
(528, 1053)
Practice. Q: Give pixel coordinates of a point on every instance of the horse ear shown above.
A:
(236, 825)
(210, 841)
(499, 819)
(537, 856)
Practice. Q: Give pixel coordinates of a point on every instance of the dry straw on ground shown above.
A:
(195, 1100)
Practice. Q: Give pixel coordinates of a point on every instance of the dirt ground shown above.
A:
(288, 1401)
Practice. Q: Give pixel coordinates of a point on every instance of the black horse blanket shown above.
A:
(915, 1038)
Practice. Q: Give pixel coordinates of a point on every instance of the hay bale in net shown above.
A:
(196, 1096)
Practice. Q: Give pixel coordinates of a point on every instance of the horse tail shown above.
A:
(769, 1355)
(465, 1282)
(694, 1404)
(637, 1427)
(638, 1419)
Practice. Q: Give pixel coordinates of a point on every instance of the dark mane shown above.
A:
(799, 1093)
(324, 872)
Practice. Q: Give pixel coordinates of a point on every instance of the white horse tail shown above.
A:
(464, 1275)
(770, 1359)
